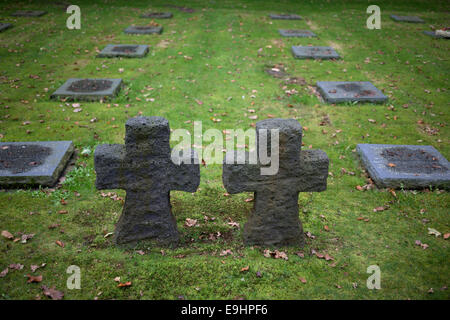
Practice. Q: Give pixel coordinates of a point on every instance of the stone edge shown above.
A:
(45, 180)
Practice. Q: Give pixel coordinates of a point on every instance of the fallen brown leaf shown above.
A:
(4, 273)
(7, 234)
(126, 284)
(244, 269)
(52, 293)
(34, 279)
(60, 243)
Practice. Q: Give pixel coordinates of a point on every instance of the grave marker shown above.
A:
(285, 16)
(144, 168)
(410, 19)
(308, 52)
(434, 35)
(88, 89)
(4, 26)
(297, 33)
(124, 50)
(407, 166)
(157, 15)
(33, 163)
(28, 13)
(143, 30)
(274, 220)
(350, 91)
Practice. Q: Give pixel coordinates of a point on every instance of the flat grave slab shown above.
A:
(88, 89)
(297, 33)
(143, 30)
(350, 91)
(434, 35)
(405, 166)
(411, 19)
(307, 52)
(28, 13)
(124, 50)
(285, 16)
(157, 15)
(33, 163)
(4, 26)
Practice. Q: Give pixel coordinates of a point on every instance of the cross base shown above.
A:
(280, 224)
(146, 216)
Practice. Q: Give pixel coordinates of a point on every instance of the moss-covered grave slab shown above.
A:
(33, 163)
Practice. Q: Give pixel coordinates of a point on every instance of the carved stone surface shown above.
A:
(411, 19)
(28, 13)
(124, 50)
(33, 163)
(274, 220)
(157, 15)
(145, 169)
(297, 33)
(434, 35)
(143, 30)
(107, 89)
(285, 16)
(4, 26)
(405, 166)
(307, 52)
(350, 91)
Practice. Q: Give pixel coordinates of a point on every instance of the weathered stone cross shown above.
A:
(144, 168)
(275, 217)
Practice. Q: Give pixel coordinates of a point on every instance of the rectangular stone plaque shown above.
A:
(157, 15)
(405, 166)
(28, 13)
(88, 89)
(297, 33)
(434, 35)
(350, 91)
(285, 16)
(307, 52)
(143, 30)
(124, 50)
(411, 19)
(4, 26)
(33, 163)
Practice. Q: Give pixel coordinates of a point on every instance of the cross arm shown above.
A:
(313, 171)
(238, 174)
(109, 165)
(184, 171)
(310, 174)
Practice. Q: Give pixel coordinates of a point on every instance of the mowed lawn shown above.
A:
(209, 66)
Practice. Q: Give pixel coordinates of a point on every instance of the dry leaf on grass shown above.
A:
(34, 279)
(190, 222)
(7, 234)
(52, 293)
(244, 269)
(126, 284)
(434, 232)
(4, 273)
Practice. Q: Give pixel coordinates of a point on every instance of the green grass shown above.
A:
(223, 38)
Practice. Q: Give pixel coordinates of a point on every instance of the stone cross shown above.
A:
(145, 169)
(274, 220)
